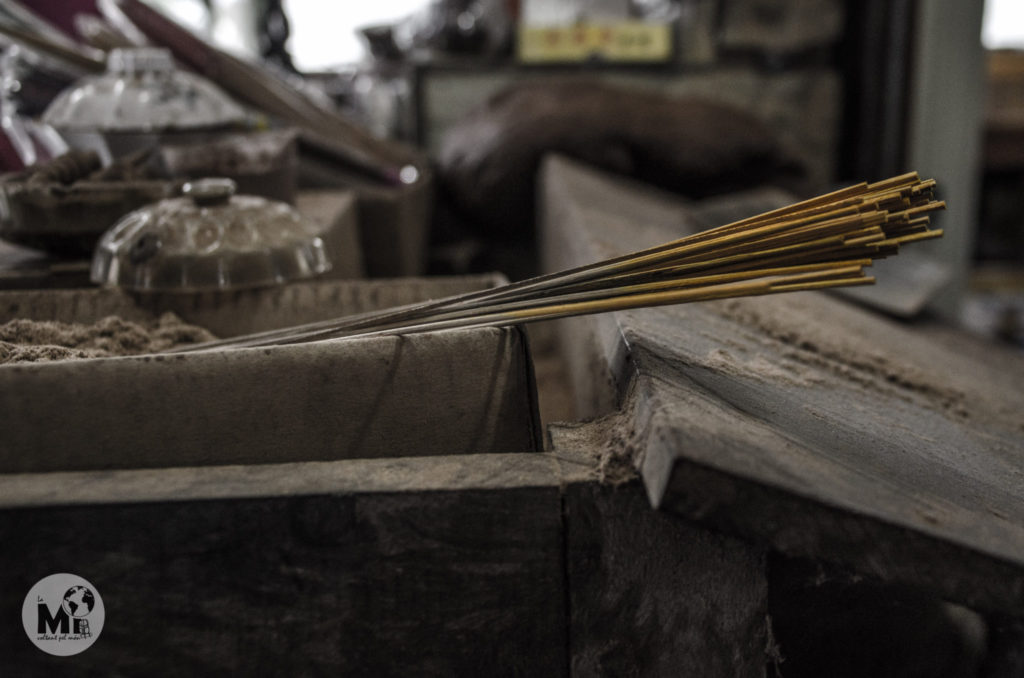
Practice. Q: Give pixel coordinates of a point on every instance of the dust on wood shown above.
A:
(613, 441)
(844, 353)
(42, 341)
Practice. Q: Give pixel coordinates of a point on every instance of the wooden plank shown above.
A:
(816, 428)
(436, 567)
(653, 596)
(223, 483)
(454, 565)
(836, 623)
(595, 356)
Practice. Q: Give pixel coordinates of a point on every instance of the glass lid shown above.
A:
(142, 91)
(211, 239)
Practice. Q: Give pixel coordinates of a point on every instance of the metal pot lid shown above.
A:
(210, 239)
(142, 91)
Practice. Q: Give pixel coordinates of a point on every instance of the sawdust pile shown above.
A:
(42, 341)
(611, 442)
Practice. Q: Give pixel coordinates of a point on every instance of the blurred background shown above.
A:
(467, 95)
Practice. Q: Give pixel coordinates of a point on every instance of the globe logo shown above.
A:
(78, 601)
(63, 614)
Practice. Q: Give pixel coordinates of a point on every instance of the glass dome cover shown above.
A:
(142, 91)
(210, 239)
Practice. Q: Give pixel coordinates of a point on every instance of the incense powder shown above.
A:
(43, 341)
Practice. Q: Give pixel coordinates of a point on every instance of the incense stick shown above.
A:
(820, 243)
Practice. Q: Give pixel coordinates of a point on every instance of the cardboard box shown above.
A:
(427, 394)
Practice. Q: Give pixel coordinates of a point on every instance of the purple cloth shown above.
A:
(61, 13)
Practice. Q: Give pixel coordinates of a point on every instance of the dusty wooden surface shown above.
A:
(439, 567)
(832, 622)
(811, 426)
(654, 596)
(481, 564)
(591, 345)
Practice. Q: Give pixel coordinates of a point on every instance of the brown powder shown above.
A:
(39, 341)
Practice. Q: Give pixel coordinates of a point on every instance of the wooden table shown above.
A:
(800, 423)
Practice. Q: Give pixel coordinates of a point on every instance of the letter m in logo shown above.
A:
(47, 621)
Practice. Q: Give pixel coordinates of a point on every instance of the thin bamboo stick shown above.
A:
(819, 243)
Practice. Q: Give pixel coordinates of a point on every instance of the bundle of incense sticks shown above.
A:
(815, 244)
